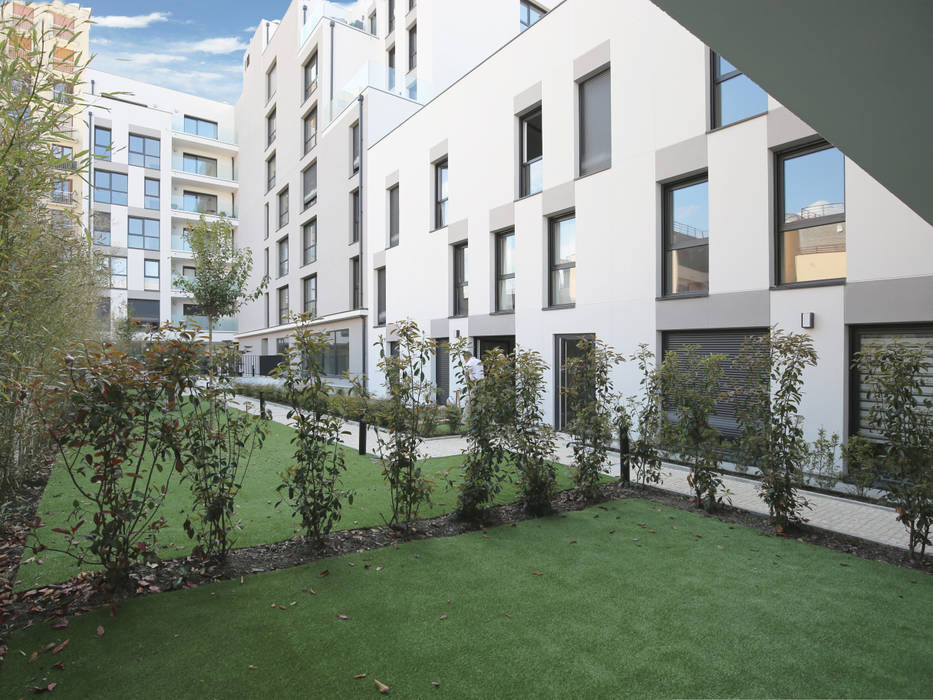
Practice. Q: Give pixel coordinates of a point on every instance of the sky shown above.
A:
(195, 46)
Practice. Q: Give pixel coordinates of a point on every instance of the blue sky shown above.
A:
(194, 46)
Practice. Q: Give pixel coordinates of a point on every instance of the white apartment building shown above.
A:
(604, 174)
(162, 159)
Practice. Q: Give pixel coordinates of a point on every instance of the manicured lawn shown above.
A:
(262, 522)
(671, 614)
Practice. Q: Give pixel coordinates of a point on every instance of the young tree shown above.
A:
(647, 416)
(530, 440)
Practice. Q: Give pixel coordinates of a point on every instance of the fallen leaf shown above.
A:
(573, 541)
(699, 537)
(612, 532)
(324, 573)
(60, 666)
(47, 689)
(443, 617)
(394, 546)
(241, 580)
(311, 591)
(100, 630)
(252, 668)
(60, 624)
(342, 617)
(651, 531)
(382, 687)
(508, 616)
(61, 646)
(35, 655)
(378, 568)
(359, 675)
(536, 573)
(435, 684)
(719, 546)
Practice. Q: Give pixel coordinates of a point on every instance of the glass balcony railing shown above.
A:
(348, 14)
(203, 205)
(223, 325)
(218, 171)
(379, 75)
(221, 134)
(180, 243)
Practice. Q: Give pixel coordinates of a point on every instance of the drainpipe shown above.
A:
(90, 167)
(363, 266)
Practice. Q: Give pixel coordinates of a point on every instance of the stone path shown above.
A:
(865, 520)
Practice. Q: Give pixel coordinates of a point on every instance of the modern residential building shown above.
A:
(162, 159)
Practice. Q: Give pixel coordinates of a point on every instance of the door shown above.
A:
(565, 349)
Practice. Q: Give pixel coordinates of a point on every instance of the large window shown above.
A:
(413, 47)
(595, 124)
(355, 146)
(309, 185)
(562, 281)
(309, 242)
(62, 192)
(151, 193)
(199, 165)
(142, 233)
(271, 82)
(266, 222)
(529, 13)
(371, 28)
(505, 271)
(440, 194)
(143, 311)
(356, 213)
(391, 62)
(393, 216)
(101, 227)
(270, 128)
(144, 152)
(532, 163)
(310, 75)
(391, 16)
(283, 256)
(335, 360)
(151, 275)
(356, 283)
(309, 292)
(199, 202)
(102, 142)
(381, 296)
(310, 130)
(811, 241)
(270, 172)
(461, 281)
(686, 237)
(735, 97)
(200, 127)
(116, 264)
(109, 188)
(283, 207)
(283, 304)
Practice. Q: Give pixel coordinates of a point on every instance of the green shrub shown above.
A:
(645, 413)
(530, 440)
(860, 456)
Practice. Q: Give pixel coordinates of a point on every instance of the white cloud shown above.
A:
(133, 22)
(150, 59)
(250, 30)
(217, 45)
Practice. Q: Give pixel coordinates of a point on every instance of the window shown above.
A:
(102, 143)
(281, 346)
(271, 82)
(391, 61)
(505, 271)
(199, 165)
(151, 275)
(334, 361)
(310, 130)
(595, 124)
(356, 212)
(355, 145)
(283, 256)
(101, 227)
(309, 242)
(309, 292)
(265, 308)
(412, 4)
(686, 237)
(310, 75)
(461, 281)
(151, 193)
(356, 283)
(283, 207)
(270, 128)
(309, 185)
(144, 152)
(63, 93)
(413, 47)
(266, 222)
(532, 162)
(381, 296)
(372, 24)
(270, 172)
(440, 194)
(142, 233)
(265, 261)
(109, 188)
(283, 304)
(529, 14)
(735, 97)
(64, 155)
(143, 311)
(391, 16)
(200, 127)
(393, 216)
(199, 203)
(563, 261)
(812, 230)
(61, 192)
(117, 266)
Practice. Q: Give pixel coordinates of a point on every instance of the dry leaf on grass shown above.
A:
(381, 687)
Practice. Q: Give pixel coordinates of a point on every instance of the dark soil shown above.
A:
(88, 591)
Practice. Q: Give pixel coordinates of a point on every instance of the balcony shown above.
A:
(180, 243)
(380, 76)
(60, 197)
(223, 325)
(331, 10)
(197, 206)
(222, 138)
(221, 175)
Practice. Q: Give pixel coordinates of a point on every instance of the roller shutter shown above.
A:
(442, 370)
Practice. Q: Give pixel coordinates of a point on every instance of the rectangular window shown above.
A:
(151, 193)
(335, 360)
(61, 192)
(461, 281)
(381, 296)
(101, 231)
(266, 222)
(200, 127)
(356, 283)
(281, 346)
(440, 194)
(143, 311)
(391, 62)
(199, 165)
(64, 155)
(391, 16)
(271, 83)
(265, 261)
(151, 275)
(811, 241)
(309, 291)
(283, 304)
(145, 152)
(595, 124)
(283, 257)
(505, 271)
(283, 207)
(270, 128)
(532, 152)
(310, 75)
(142, 233)
(199, 203)
(309, 185)
(356, 212)
(686, 237)
(63, 93)
(372, 24)
(109, 188)
(355, 146)
(117, 266)
(563, 261)
(310, 130)
(393, 216)
(735, 97)
(102, 142)
(309, 242)
(529, 13)
(413, 47)
(270, 172)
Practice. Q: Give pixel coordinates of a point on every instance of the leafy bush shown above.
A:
(646, 415)
(860, 456)
(454, 415)
(529, 439)
(821, 459)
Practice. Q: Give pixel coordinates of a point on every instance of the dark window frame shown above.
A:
(525, 164)
(391, 13)
(531, 7)
(553, 230)
(461, 280)
(441, 206)
(581, 114)
(308, 195)
(667, 217)
(310, 87)
(98, 188)
(716, 80)
(356, 147)
(394, 215)
(197, 123)
(147, 277)
(281, 255)
(356, 283)
(412, 47)
(198, 161)
(270, 127)
(306, 299)
(308, 252)
(144, 158)
(143, 234)
(356, 215)
(97, 229)
(381, 296)
(147, 197)
(310, 141)
(501, 276)
(103, 152)
(283, 308)
(270, 172)
(282, 212)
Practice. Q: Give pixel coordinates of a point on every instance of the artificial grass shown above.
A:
(262, 521)
(703, 610)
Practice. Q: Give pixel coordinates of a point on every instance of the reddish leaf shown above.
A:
(60, 666)
(61, 646)
(342, 617)
(47, 689)
(536, 573)
(61, 530)
(60, 624)
(35, 655)
(612, 532)
(324, 573)
(359, 675)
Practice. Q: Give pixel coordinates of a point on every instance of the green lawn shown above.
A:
(262, 522)
(669, 614)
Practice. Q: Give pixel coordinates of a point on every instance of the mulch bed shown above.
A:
(87, 591)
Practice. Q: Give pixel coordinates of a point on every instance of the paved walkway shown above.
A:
(865, 520)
